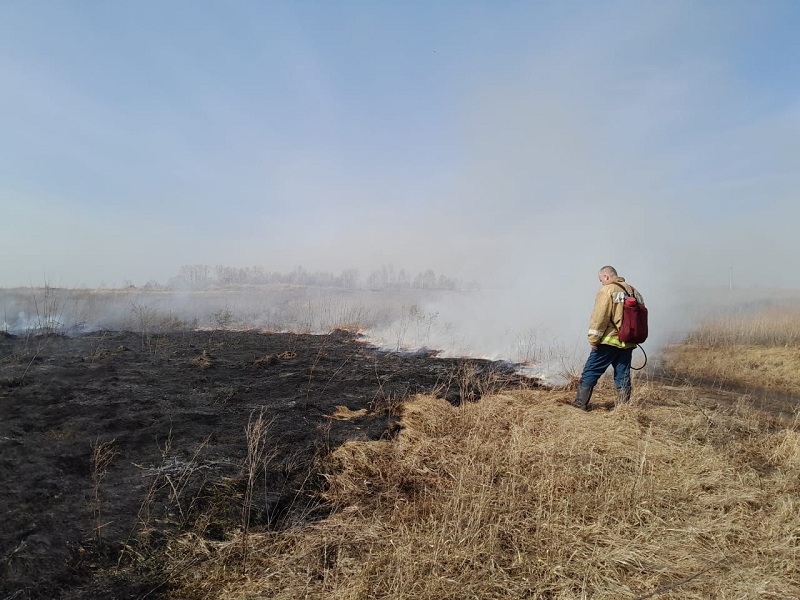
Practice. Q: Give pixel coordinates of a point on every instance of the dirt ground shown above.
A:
(112, 442)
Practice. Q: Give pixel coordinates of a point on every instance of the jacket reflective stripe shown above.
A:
(612, 341)
(595, 332)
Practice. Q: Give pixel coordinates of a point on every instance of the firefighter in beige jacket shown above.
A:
(607, 349)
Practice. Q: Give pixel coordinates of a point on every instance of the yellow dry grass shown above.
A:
(204, 361)
(271, 359)
(758, 351)
(521, 496)
(749, 367)
(770, 326)
(342, 413)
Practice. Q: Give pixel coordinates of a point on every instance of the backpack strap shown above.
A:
(624, 289)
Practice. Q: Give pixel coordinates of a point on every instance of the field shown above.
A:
(169, 461)
(756, 353)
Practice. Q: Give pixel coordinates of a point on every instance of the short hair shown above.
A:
(609, 270)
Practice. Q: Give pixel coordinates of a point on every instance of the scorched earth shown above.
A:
(111, 442)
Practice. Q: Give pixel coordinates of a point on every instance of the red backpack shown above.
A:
(634, 319)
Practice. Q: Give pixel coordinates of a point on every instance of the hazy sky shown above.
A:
(527, 140)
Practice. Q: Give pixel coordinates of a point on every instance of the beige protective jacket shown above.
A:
(607, 313)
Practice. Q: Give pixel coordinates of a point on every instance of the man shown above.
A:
(607, 349)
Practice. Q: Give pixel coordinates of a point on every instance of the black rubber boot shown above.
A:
(623, 395)
(583, 396)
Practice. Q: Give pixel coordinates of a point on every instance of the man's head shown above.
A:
(607, 274)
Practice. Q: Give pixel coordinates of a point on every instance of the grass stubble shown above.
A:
(676, 495)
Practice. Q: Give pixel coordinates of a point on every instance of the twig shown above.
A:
(11, 553)
(314, 366)
(327, 383)
(677, 584)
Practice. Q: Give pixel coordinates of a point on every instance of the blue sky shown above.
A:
(500, 140)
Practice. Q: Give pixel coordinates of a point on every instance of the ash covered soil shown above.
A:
(112, 442)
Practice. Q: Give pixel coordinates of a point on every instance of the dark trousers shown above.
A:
(600, 359)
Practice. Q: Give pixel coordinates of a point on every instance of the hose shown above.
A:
(645, 360)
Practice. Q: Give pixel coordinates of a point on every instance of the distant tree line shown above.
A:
(387, 277)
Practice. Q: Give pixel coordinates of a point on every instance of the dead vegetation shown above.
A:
(272, 359)
(752, 369)
(509, 493)
(204, 361)
(755, 353)
(519, 496)
(682, 494)
(103, 454)
(342, 413)
(771, 326)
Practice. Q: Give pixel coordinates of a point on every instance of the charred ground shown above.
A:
(112, 442)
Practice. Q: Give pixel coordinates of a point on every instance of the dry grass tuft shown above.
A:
(271, 359)
(519, 496)
(342, 413)
(103, 454)
(204, 361)
(103, 353)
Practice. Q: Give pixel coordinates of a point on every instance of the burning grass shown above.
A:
(519, 495)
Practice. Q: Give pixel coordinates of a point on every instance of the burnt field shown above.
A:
(112, 443)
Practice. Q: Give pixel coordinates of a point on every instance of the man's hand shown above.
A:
(594, 346)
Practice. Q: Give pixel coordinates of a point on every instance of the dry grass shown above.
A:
(272, 359)
(204, 361)
(754, 368)
(770, 326)
(520, 496)
(103, 454)
(755, 352)
(342, 413)
(684, 494)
